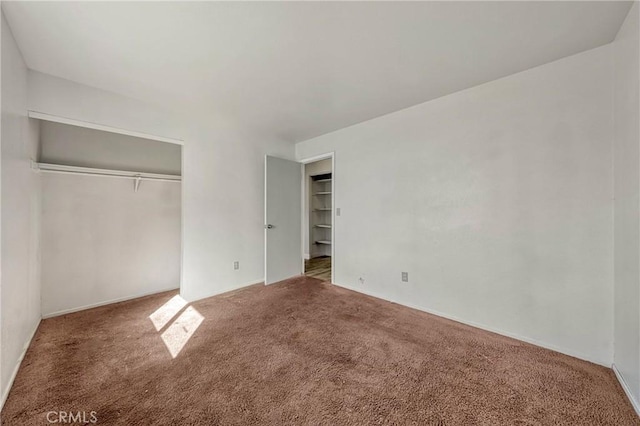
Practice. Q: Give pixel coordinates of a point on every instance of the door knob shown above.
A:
(269, 226)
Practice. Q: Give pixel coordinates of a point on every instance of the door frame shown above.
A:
(303, 185)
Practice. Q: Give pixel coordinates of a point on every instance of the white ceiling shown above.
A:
(298, 70)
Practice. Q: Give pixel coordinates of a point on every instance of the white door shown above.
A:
(283, 216)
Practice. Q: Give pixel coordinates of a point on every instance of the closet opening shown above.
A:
(110, 216)
(318, 219)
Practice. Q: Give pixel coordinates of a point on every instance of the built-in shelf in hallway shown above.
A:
(321, 219)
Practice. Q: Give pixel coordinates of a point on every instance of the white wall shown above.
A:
(223, 201)
(64, 98)
(102, 242)
(499, 207)
(222, 172)
(312, 169)
(627, 202)
(79, 146)
(20, 200)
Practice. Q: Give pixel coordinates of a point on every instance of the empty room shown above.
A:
(320, 213)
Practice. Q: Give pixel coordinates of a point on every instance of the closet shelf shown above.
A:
(90, 171)
(321, 220)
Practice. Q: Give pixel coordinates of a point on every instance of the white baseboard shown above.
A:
(307, 256)
(5, 393)
(605, 363)
(106, 302)
(627, 391)
(223, 291)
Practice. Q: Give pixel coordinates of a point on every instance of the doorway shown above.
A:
(318, 219)
(299, 218)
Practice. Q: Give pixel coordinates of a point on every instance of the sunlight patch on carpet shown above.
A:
(179, 333)
(166, 312)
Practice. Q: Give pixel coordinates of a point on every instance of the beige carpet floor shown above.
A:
(300, 352)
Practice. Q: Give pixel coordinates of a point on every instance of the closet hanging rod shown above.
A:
(89, 171)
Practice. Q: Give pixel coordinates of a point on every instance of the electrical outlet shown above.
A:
(236, 265)
(337, 211)
(405, 277)
(361, 280)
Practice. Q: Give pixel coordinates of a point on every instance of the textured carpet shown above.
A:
(300, 352)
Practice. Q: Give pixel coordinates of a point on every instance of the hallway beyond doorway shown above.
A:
(318, 267)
